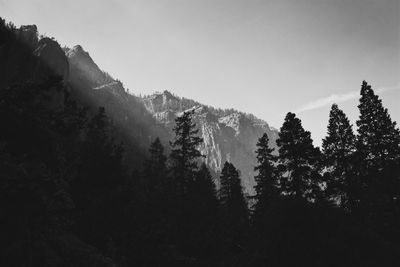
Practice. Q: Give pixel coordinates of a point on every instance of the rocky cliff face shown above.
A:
(228, 135)
(83, 67)
(51, 54)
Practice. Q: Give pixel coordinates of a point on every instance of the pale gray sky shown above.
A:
(263, 57)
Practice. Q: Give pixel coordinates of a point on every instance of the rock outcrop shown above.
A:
(51, 54)
(84, 68)
(29, 35)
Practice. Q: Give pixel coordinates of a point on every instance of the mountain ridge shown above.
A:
(228, 134)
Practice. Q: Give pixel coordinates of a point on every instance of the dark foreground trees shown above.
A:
(357, 176)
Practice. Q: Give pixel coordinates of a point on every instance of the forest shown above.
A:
(68, 198)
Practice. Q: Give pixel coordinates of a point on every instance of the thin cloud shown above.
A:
(340, 98)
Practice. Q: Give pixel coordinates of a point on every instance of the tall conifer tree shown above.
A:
(378, 140)
(378, 147)
(233, 206)
(203, 217)
(297, 160)
(204, 190)
(338, 152)
(155, 167)
(185, 154)
(265, 179)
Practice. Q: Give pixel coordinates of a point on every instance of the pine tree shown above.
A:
(204, 190)
(378, 149)
(203, 217)
(378, 140)
(185, 157)
(185, 154)
(265, 179)
(297, 160)
(155, 168)
(234, 212)
(338, 155)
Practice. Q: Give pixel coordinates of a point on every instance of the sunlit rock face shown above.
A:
(83, 68)
(228, 134)
(83, 65)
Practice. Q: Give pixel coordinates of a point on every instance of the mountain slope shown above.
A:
(94, 87)
(228, 134)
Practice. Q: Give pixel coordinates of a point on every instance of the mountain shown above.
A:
(229, 135)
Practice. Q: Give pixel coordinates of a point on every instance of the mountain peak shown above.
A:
(166, 95)
(29, 34)
(78, 48)
(78, 51)
(50, 52)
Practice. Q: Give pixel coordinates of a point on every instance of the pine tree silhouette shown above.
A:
(185, 158)
(155, 168)
(204, 215)
(378, 149)
(234, 213)
(204, 191)
(266, 184)
(338, 149)
(297, 160)
(378, 137)
(185, 154)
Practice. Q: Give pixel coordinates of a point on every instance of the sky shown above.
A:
(262, 57)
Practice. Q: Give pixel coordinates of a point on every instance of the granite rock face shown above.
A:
(228, 135)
